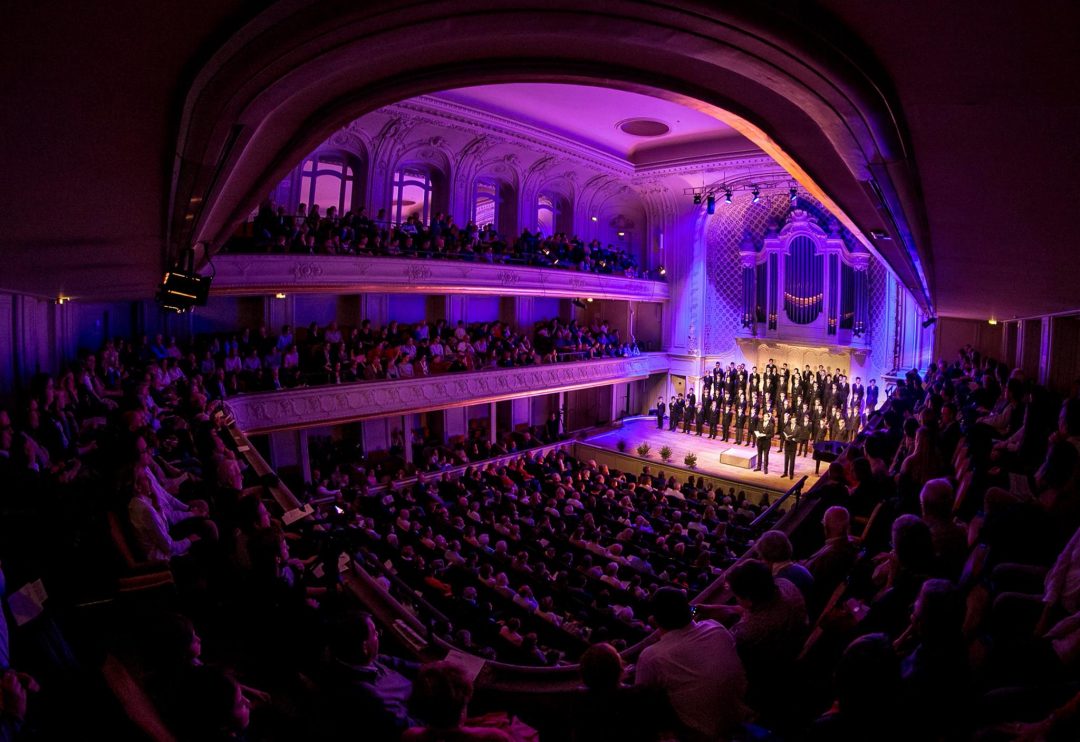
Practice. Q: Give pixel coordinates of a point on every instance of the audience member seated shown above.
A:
(440, 697)
(698, 665)
(610, 711)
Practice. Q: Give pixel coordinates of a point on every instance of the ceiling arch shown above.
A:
(298, 71)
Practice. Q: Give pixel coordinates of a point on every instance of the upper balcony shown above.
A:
(253, 274)
(328, 405)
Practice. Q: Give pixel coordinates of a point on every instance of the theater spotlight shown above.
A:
(727, 196)
(697, 199)
(793, 194)
(756, 194)
(710, 205)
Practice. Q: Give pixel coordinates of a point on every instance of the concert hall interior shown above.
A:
(670, 370)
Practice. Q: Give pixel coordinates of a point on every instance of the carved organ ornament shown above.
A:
(803, 284)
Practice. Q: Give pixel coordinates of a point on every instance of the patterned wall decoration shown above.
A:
(878, 325)
(723, 290)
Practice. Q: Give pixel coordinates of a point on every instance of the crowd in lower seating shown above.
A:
(311, 232)
(926, 589)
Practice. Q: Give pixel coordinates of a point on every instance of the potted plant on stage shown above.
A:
(620, 445)
(643, 450)
(691, 460)
(665, 454)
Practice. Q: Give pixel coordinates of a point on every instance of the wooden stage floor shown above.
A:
(636, 430)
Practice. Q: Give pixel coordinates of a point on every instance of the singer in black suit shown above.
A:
(764, 434)
(661, 408)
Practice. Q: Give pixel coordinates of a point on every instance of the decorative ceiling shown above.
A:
(603, 118)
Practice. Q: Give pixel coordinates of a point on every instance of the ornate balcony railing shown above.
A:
(328, 405)
(241, 274)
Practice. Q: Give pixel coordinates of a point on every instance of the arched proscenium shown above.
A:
(294, 75)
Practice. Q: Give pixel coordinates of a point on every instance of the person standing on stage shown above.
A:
(754, 380)
(740, 419)
(858, 394)
(691, 399)
(802, 435)
(661, 408)
(871, 396)
(783, 413)
(676, 412)
(791, 444)
(764, 433)
(699, 420)
(728, 415)
(820, 422)
(714, 418)
(753, 417)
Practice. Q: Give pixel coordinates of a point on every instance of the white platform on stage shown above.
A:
(742, 457)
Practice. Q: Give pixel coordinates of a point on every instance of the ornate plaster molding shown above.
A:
(245, 275)
(329, 405)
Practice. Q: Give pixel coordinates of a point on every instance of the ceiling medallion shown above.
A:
(642, 127)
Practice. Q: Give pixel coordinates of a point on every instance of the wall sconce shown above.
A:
(595, 219)
(279, 295)
(62, 300)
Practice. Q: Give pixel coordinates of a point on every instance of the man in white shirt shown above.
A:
(697, 664)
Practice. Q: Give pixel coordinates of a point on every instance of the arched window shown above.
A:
(486, 204)
(545, 215)
(412, 195)
(327, 180)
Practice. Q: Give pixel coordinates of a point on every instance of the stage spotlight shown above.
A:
(727, 196)
(697, 199)
(710, 205)
(794, 195)
(756, 194)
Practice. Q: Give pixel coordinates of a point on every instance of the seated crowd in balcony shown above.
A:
(253, 361)
(309, 232)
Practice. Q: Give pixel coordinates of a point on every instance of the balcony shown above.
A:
(329, 405)
(246, 274)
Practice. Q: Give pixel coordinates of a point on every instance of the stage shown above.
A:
(637, 430)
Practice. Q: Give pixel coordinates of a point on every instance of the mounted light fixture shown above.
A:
(279, 295)
(992, 321)
(663, 271)
(595, 219)
(756, 194)
(697, 199)
(793, 194)
(727, 196)
(710, 205)
(621, 234)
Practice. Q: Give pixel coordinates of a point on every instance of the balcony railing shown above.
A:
(239, 274)
(328, 405)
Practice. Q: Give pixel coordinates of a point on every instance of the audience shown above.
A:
(938, 560)
(354, 233)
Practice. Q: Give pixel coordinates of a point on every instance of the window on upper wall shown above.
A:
(545, 215)
(327, 180)
(485, 207)
(412, 195)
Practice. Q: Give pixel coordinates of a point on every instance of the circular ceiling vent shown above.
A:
(643, 127)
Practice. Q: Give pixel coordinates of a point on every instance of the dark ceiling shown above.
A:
(93, 101)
